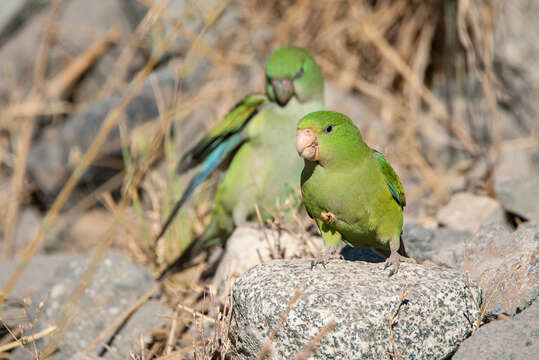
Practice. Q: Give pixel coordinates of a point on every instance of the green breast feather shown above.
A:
(392, 179)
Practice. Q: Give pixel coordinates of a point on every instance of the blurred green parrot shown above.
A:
(258, 137)
(349, 189)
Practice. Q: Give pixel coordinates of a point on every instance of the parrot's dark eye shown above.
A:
(299, 74)
(328, 129)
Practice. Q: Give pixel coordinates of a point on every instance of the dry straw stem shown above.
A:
(119, 69)
(309, 348)
(468, 17)
(17, 182)
(490, 295)
(404, 69)
(23, 147)
(31, 108)
(266, 349)
(80, 65)
(391, 320)
(214, 55)
(271, 248)
(123, 317)
(108, 124)
(22, 341)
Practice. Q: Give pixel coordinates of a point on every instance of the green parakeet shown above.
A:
(349, 189)
(258, 136)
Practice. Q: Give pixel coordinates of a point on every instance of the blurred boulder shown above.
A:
(468, 212)
(79, 233)
(357, 108)
(77, 19)
(28, 224)
(250, 246)
(441, 246)
(99, 16)
(350, 310)
(115, 287)
(15, 13)
(516, 64)
(520, 196)
(192, 17)
(516, 338)
(54, 157)
(504, 264)
(515, 163)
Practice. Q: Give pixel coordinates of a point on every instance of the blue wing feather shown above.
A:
(214, 147)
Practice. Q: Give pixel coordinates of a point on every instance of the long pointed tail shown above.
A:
(183, 261)
(195, 181)
(211, 236)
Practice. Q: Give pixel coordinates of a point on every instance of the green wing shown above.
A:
(392, 179)
(225, 135)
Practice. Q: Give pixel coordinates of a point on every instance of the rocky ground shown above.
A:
(99, 99)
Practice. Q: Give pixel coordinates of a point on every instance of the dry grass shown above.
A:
(390, 52)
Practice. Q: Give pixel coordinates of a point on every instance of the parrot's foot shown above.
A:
(329, 217)
(394, 260)
(326, 256)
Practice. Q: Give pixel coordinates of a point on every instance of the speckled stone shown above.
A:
(520, 336)
(505, 265)
(431, 319)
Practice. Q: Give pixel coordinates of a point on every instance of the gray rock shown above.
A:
(99, 15)
(28, 224)
(50, 160)
(442, 246)
(18, 49)
(520, 196)
(14, 13)
(116, 286)
(248, 247)
(516, 64)
(430, 311)
(192, 17)
(468, 212)
(516, 338)
(357, 108)
(515, 163)
(505, 266)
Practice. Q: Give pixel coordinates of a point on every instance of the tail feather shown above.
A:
(211, 236)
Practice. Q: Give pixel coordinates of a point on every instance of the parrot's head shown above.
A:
(291, 71)
(328, 137)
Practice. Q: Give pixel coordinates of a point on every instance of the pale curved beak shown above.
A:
(307, 144)
(284, 90)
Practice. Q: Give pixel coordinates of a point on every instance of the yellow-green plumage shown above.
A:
(257, 136)
(352, 182)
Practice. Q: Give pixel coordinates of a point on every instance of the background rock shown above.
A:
(468, 212)
(507, 263)
(516, 339)
(80, 23)
(432, 310)
(14, 14)
(55, 155)
(248, 247)
(442, 246)
(519, 196)
(116, 286)
(514, 164)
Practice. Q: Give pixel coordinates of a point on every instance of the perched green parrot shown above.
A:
(258, 136)
(349, 189)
